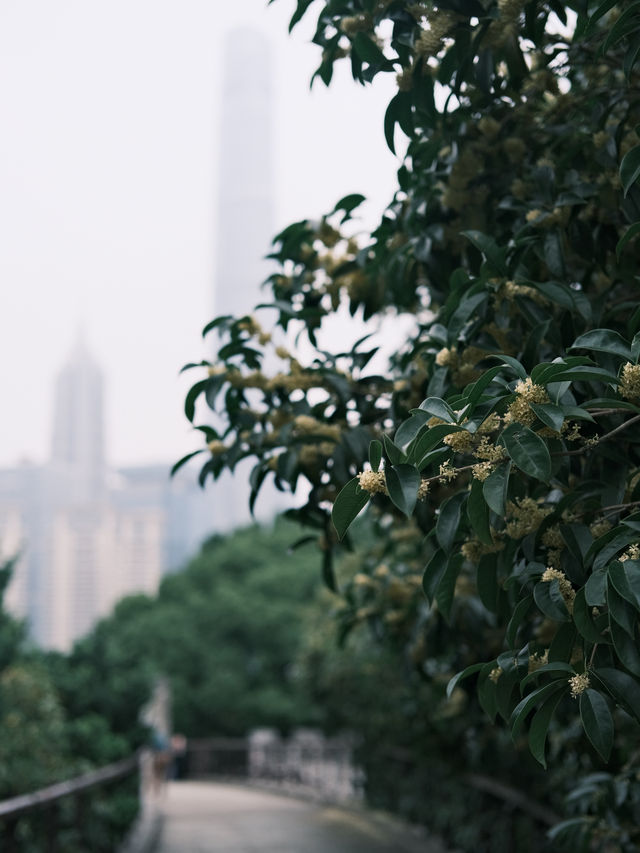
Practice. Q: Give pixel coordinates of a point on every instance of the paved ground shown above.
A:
(204, 817)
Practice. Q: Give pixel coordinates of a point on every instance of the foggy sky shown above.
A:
(108, 164)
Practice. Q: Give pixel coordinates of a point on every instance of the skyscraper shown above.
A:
(245, 220)
(86, 533)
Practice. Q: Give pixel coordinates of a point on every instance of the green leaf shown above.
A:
(349, 503)
(612, 546)
(583, 620)
(409, 429)
(487, 582)
(597, 722)
(439, 409)
(495, 488)
(539, 727)
(549, 668)
(184, 460)
(620, 610)
(526, 705)
(433, 573)
(550, 415)
(549, 601)
(402, 484)
(622, 687)
(528, 451)
(395, 454)
(625, 24)
(449, 520)
(375, 454)
(478, 512)
(625, 577)
(514, 364)
(603, 340)
(630, 234)
(369, 51)
(520, 611)
(192, 395)
(433, 436)
(447, 585)
(465, 673)
(625, 647)
(630, 168)
(495, 256)
(595, 589)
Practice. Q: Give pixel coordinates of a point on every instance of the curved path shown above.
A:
(206, 817)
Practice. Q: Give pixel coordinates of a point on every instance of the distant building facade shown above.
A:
(86, 534)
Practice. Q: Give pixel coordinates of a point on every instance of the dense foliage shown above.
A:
(225, 632)
(499, 451)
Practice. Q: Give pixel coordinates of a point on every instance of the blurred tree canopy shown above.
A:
(499, 450)
(225, 631)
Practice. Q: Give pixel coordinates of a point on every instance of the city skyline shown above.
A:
(108, 210)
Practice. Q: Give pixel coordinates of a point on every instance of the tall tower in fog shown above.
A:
(245, 214)
(77, 447)
(246, 183)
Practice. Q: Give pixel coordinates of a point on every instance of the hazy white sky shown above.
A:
(108, 160)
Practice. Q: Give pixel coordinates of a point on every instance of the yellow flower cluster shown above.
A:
(250, 325)
(309, 454)
(308, 425)
(564, 584)
(490, 424)
(217, 447)
(526, 393)
(579, 683)
(216, 370)
(473, 549)
(489, 451)
(481, 471)
(525, 516)
(373, 482)
(552, 539)
(632, 553)
(447, 472)
(495, 674)
(629, 388)
(354, 24)
(423, 490)
(599, 528)
(510, 290)
(429, 41)
(447, 357)
(537, 660)
(461, 442)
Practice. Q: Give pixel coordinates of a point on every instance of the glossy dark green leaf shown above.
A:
(622, 687)
(583, 619)
(563, 644)
(438, 408)
(528, 451)
(460, 676)
(625, 647)
(431, 438)
(348, 504)
(549, 601)
(496, 257)
(395, 454)
(630, 234)
(625, 577)
(184, 460)
(192, 395)
(550, 415)
(524, 707)
(433, 573)
(554, 668)
(446, 588)
(495, 488)
(519, 613)
(630, 168)
(375, 454)
(603, 340)
(597, 722)
(409, 429)
(595, 589)
(478, 513)
(624, 613)
(539, 727)
(402, 484)
(487, 582)
(449, 520)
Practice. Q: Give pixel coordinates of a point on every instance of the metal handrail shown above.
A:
(52, 793)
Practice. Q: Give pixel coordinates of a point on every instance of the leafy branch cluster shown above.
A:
(505, 429)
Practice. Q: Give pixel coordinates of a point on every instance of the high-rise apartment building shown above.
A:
(88, 534)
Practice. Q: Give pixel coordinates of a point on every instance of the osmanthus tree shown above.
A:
(501, 447)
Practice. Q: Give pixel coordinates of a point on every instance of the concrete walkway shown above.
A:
(207, 817)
